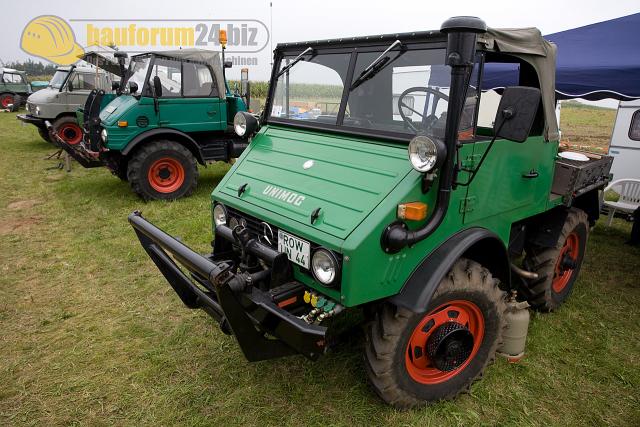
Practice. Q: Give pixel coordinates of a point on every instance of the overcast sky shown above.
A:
(308, 19)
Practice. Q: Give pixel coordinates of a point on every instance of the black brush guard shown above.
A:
(263, 330)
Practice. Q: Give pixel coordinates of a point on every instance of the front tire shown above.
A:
(162, 170)
(558, 266)
(44, 134)
(68, 129)
(7, 99)
(415, 358)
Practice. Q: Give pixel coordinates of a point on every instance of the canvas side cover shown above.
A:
(528, 45)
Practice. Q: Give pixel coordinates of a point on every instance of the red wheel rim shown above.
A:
(6, 101)
(562, 275)
(419, 366)
(70, 133)
(166, 175)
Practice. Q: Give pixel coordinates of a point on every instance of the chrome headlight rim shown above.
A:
(426, 154)
(220, 214)
(240, 124)
(244, 124)
(104, 135)
(332, 279)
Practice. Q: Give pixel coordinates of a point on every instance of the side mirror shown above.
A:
(133, 87)
(228, 63)
(516, 113)
(157, 87)
(115, 86)
(70, 86)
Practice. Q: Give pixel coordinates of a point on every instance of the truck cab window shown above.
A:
(311, 89)
(408, 94)
(170, 73)
(198, 81)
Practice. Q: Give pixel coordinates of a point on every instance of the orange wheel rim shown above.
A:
(561, 274)
(461, 313)
(70, 133)
(166, 175)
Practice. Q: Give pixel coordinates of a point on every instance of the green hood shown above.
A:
(116, 108)
(293, 172)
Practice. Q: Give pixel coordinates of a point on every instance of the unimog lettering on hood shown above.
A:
(284, 195)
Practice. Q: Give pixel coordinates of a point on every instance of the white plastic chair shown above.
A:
(629, 201)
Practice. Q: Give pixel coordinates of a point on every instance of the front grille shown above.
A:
(255, 226)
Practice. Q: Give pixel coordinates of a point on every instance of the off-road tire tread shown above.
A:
(383, 334)
(542, 260)
(134, 168)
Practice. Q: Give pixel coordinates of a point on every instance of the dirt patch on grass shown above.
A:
(23, 204)
(18, 225)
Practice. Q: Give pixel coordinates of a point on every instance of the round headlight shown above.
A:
(104, 135)
(245, 123)
(219, 215)
(324, 266)
(426, 154)
(37, 110)
(240, 124)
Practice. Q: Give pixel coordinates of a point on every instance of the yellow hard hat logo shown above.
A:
(51, 38)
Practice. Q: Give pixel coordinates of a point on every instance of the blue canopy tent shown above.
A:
(594, 62)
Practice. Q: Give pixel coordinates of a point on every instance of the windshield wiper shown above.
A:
(372, 69)
(295, 61)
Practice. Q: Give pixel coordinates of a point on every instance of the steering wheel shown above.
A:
(427, 120)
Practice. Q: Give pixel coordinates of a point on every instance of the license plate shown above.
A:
(297, 250)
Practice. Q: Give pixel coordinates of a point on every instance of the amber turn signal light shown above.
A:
(413, 211)
(123, 124)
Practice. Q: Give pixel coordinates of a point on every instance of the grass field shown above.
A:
(91, 334)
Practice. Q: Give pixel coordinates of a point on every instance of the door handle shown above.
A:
(532, 174)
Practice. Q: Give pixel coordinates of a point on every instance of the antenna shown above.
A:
(271, 31)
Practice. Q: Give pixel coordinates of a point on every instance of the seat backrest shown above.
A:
(630, 191)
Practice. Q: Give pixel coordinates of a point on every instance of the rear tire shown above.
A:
(558, 266)
(412, 359)
(162, 170)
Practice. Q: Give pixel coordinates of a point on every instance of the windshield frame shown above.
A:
(352, 46)
(64, 82)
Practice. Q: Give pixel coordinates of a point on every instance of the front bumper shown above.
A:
(28, 118)
(253, 315)
(77, 151)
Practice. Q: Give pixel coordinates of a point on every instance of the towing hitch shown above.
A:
(254, 316)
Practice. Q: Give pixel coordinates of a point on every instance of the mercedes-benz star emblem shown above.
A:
(267, 234)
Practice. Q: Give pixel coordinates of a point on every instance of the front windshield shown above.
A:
(407, 94)
(58, 79)
(137, 73)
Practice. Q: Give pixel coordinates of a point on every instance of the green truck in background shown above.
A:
(173, 109)
(398, 202)
(14, 88)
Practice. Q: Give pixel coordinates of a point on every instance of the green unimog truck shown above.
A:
(398, 203)
(173, 110)
(14, 88)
